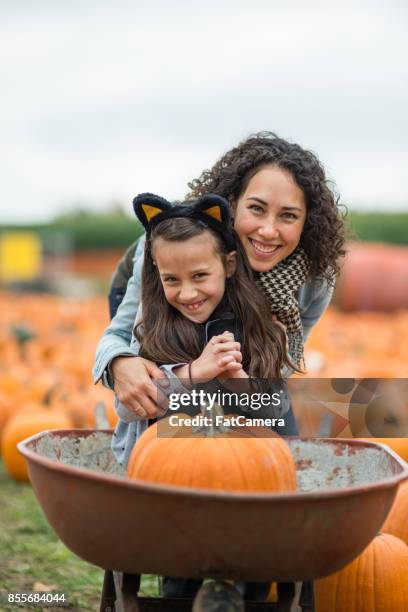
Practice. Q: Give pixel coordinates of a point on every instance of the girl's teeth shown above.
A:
(193, 306)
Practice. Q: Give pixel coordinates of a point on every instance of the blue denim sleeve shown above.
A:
(117, 337)
(314, 298)
(174, 385)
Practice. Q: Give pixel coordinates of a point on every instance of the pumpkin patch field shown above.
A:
(47, 348)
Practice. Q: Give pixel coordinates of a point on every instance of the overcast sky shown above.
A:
(101, 100)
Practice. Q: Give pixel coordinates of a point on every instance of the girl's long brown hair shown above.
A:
(166, 336)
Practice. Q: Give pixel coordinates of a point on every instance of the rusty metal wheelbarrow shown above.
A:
(346, 489)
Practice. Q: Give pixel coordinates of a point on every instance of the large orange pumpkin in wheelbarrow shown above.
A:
(222, 458)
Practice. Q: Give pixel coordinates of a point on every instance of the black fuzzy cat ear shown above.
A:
(147, 206)
(215, 207)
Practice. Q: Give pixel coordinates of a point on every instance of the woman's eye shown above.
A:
(256, 208)
(200, 275)
(170, 279)
(290, 216)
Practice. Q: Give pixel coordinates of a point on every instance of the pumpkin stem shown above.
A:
(210, 428)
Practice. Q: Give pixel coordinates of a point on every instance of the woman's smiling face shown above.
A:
(269, 217)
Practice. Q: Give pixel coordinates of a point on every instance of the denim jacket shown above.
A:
(118, 339)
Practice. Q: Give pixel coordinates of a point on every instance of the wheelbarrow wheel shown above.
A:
(218, 596)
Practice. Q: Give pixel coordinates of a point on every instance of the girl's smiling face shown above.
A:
(269, 217)
(193, 274)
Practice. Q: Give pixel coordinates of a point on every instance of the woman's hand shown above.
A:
(134, 387)
(221, 355)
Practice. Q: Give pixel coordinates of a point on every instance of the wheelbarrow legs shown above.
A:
(108, 595)
(119, 594)
(216, 595)
(307, 598)
(295, 596)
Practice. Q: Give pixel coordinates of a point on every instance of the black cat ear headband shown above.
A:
(211, 209)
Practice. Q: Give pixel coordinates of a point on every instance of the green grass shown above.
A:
(31, 552)
(391, 227)
(87, 230)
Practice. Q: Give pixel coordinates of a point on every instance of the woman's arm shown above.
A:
(117, 363)
(314, 298)
(120, 278)
(117, 337)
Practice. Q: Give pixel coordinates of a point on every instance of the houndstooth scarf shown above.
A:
(280, 285)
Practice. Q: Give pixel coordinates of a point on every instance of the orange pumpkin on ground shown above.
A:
(97, 394)
(398, 445)
(234, 460)
(6, 409)
(21, 426)
(376, 580)
(397, 520)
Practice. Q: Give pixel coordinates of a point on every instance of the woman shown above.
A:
(290, 225)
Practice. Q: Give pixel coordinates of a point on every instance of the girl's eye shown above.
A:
(170, 279)
(200, 275)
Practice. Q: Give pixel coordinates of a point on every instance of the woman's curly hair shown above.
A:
(323, 235)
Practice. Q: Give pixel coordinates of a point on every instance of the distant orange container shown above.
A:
(374, 277)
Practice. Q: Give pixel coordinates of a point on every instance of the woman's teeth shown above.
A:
(262, 248)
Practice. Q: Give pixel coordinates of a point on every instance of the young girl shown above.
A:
(200, 307)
